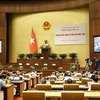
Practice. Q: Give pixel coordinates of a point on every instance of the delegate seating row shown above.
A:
(62, 95)
(57, 88)
(16, 85)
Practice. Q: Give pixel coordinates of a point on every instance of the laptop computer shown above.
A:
(16, 78)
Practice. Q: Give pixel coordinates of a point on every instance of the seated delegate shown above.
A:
(2, 83)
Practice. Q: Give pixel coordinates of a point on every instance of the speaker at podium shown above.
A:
(45, 50)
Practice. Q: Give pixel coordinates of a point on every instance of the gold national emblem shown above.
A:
(46, 25)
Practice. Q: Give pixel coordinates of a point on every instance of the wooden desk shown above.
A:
(33, 79)
(60, 87)
(54, 95)
(79, 82)
(83, 87)
(20, 86)
(59, 82)
(57, 87)
(8, 92)
(40, 74)
(28, 83)
(37, 79)
(91, 94)
(62, 81)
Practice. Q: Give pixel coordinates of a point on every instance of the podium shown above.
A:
(45, 52)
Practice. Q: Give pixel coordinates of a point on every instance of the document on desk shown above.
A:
(1, 95)
(8, 85)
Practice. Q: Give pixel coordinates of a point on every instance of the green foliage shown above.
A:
(73, 55)
(59, 68)
(10, 67)
(98, 69)
(62, 55)
(44, 68)
(1, 66)
(37, 55)
(29, 55)
(20, 68)
(32, 68)
(73, 67)
(21, 55)
(53, 55)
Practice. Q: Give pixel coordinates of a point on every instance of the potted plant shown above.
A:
(20, 68)
(59, 68)
(53, 55)
(1, 66)
(73, 67)
(44, 68)
(63, 55)
(21, 56)
(29, 55)
(32, 68)
(73, 55)
(10, 67)
(37, 55)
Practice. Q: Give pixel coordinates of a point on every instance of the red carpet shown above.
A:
(18, 98)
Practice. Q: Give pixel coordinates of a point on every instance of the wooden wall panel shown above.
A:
(33, 6)
(3, 37)
(3, 54)
(94, 26)
(94, 31)
(40, 6)
(2, 18)
(95, 10)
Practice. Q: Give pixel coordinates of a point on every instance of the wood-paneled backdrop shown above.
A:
(31, 6)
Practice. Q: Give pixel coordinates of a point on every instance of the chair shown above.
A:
(33, 95)
(73, 82)
(85, 80)
(52, 81)
(71, 87)
(95, 86)
(72, 95)
(43, 87)
(52, 77)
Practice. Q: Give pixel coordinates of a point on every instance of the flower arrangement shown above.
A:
(73, 67)
(20, 68)
(59, 68)
(44, 68)
(10, 67)
(32, 68)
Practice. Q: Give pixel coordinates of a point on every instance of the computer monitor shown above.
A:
(16, 78)
(97, 44)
